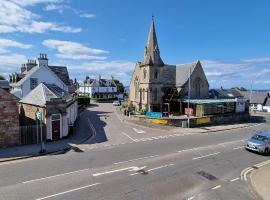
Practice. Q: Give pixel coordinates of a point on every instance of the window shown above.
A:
(143, 93)
(56, 117)
(144, 73)
(156, 74)
(33, 83)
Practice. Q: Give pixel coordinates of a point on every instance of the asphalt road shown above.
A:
(118, 163)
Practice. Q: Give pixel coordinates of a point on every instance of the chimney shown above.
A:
(42, 60)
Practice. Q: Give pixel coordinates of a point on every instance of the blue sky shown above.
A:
(107, 37)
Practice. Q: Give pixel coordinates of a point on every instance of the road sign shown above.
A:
(38, 115)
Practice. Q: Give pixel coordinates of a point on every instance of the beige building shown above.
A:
(156, 86)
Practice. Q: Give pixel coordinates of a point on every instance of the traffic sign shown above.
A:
(38, 115)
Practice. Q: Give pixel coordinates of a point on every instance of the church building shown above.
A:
(156, 86)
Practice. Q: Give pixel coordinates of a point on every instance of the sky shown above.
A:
(231, 38)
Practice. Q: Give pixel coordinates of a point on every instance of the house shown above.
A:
(256, 99)
(58, 109)
(98, 88)
(156, 86)
(9, 119)
(33, 73)
(4, 84)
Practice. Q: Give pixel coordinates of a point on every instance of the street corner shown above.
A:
(257, 178)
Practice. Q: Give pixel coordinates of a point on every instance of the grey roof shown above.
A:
(182, 72)
(29, 73)
(4, 84)
(99, 83)
(256, 97)
(152, 56)
(226, 93)
(62, 73)
(45, 92)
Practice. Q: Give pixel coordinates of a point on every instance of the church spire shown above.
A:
(152, 54)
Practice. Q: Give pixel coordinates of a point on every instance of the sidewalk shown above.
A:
(81, 134)
(260, 180)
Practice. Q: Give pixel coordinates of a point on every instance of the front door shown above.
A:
(56, 129)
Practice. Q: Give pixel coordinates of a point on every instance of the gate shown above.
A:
(31, 134)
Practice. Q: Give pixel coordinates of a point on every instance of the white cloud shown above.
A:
(6, 43)
(74, 50)
(87, 15)
(34, 2)
(14, 17)
(237, 73)
(121, 70)
(11, 63)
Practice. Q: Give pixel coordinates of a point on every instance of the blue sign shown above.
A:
(154, 115)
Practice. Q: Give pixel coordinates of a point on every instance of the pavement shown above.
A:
(82, 132)
(260, 179)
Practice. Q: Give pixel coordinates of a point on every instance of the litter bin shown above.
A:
(184, 124)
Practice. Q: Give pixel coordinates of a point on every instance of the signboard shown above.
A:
(189, 111)
(203, 120)
(154, 115)
(159, 121)
(38, 115)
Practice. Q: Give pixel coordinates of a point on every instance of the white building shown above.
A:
(98, 88)
(33, 73)
(59, 109)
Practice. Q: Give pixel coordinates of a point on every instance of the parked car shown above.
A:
(116, 103)
(260, 142)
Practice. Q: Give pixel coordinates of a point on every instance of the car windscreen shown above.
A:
(260, 138)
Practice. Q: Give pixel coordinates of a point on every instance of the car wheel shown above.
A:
(266, 151)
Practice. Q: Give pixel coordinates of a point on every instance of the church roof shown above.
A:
(45, 92)
(182, 72)
(152, 54)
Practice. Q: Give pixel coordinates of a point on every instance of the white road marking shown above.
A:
(48, 177)
(239, 147)
(138, 130)
(211, 154)
(118, 170)
(263, 163)
(149, 170)
(190, 198)
(68, 191)
(131, 160)
(128, 136)
(216, 187)
(235, 179)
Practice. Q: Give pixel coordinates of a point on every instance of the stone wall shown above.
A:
(9, 120)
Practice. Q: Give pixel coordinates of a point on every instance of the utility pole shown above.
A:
(250, 95)
(189, 96)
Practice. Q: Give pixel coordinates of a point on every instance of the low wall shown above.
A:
(231, 118)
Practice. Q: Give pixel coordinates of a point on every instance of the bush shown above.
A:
(83, 100)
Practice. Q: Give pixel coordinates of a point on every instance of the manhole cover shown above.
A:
(207, 175)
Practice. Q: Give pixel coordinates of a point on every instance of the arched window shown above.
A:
(144, 73)
(143, 94)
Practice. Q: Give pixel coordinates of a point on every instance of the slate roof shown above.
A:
(100, 83)
(226, 93)
(62, 73)
(45, 92)
(4, 84)
(182, 72)
(256, 97)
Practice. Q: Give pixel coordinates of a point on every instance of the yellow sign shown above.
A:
(203, 120)
(159, 121)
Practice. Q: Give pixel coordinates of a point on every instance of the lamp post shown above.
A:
(188, 121)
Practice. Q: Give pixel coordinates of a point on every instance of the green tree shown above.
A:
(119, 85)
(2, 77)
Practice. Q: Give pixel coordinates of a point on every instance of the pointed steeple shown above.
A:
(151, 53)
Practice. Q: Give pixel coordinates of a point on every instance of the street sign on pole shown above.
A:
(39, 118)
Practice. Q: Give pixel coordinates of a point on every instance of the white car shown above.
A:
(116, 103)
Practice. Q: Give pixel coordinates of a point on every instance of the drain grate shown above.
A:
(207, 175)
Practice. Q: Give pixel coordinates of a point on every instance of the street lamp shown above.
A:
(188, 114)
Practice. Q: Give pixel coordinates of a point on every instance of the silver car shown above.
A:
(260, 142)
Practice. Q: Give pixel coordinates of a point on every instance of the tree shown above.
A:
(2, 77)
(120, 86)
